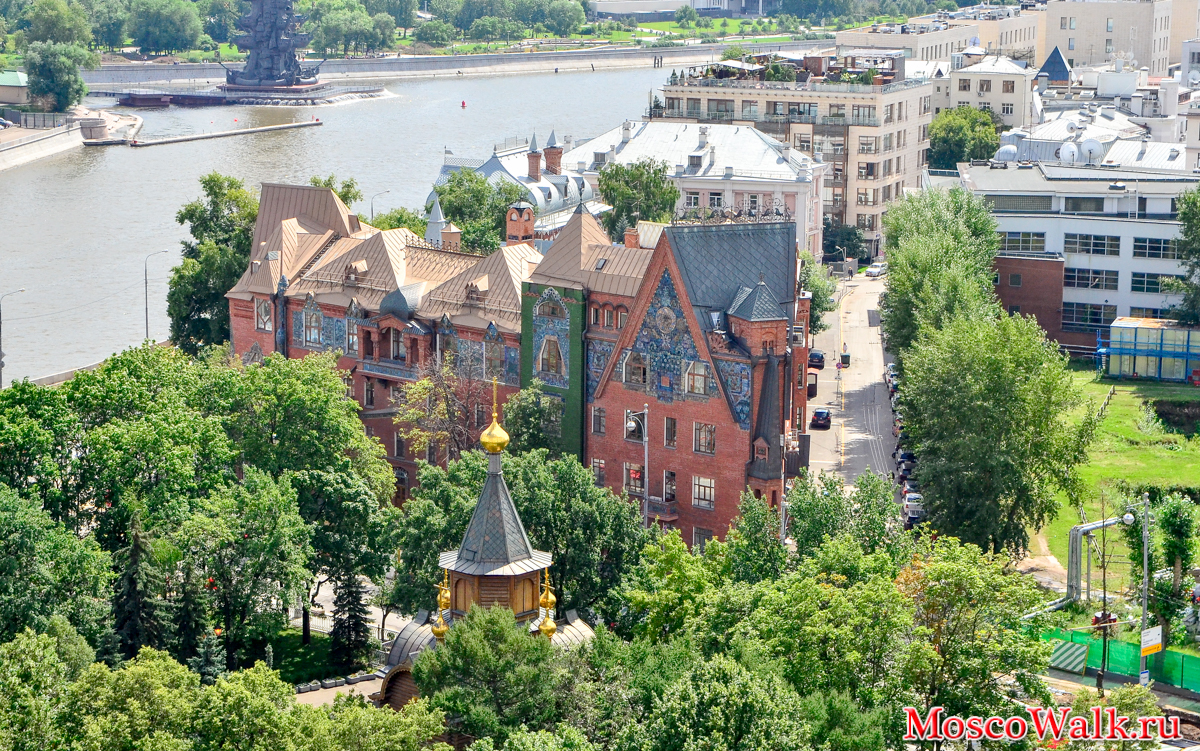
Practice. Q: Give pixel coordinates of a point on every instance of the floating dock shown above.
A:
(216, 96)
(226, 133)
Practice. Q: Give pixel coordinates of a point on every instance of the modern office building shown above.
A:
(996, 30)
(1095, 31)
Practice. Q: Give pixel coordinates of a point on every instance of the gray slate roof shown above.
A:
(757, 304)
(717, 260)
(768, 426)
(495, 542)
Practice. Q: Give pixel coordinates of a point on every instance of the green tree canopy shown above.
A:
(53, 70)
(636, 191)
(814, 278)
(686, 15)
(435, 33)
(960, 135)
(1187, 311)
(402, 217)
(109, 19)
(479, 207)
(347, 189)
(57, 21)
(533, 420)
(840, 242)
(564, 17)
(993, 456)
(164, 25)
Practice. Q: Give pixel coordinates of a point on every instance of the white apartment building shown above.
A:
(875, 138)
(993, 83)
(716, 166)
(995, 29)
(1095, 31)
(1114, 228)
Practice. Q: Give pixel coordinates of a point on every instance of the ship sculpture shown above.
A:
(271, 34)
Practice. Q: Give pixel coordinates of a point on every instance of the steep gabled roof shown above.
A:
(279, 202)
(1056, 66)
(768, 426)
(716, 260)
(498, 277)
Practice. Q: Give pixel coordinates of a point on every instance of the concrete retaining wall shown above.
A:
(51, 142)
(434, 66)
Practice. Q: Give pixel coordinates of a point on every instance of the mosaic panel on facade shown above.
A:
(735, 377)
(545, 326)
(598, 354)
(666, 345)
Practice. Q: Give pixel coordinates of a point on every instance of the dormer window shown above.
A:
(695, 161)
(598, 157)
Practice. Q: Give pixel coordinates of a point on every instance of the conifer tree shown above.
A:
(350, 637)
(209, 661)
(137, 607)
(190, 623)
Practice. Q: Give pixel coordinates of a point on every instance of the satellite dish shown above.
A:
(1068, 153)
(1194, 77)
(1072, 126)
(1006, 153)
(973, 42)
(1091, 149)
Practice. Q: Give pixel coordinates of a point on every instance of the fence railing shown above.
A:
(1173, 668)
(38, 136)
(38, 120)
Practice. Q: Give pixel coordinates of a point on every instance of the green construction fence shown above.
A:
(1170, 667)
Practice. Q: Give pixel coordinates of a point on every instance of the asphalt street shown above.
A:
(860, 437)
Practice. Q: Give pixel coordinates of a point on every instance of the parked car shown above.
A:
(816, 359)
(821, 418)
(914, 509)
(6, 123)
(911, 486)
(901, 456)
(877, 269)
(905, 471)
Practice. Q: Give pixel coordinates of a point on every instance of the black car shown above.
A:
(821, 418)
(816, 359)
(902, 456)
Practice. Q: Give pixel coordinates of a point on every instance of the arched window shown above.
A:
(635, 369)
(462, 600)
(494, 359)
(551, 309)
(551, 357)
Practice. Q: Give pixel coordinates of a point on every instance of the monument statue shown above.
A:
(271, 34)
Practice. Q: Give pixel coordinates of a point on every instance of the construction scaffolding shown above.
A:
(1149, 348)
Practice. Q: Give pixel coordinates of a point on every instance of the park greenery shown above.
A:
(998, 439)
(960, 135)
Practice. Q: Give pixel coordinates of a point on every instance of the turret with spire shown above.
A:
(535, 160)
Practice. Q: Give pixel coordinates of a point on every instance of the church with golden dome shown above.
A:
(495, 566)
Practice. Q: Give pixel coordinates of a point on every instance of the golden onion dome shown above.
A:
(548, 599)
(495, 438)
(547, 627)
(440, 628)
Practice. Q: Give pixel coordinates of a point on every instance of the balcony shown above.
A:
(816, 87)
(665, 511)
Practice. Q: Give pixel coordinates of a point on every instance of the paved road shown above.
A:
(861, 435)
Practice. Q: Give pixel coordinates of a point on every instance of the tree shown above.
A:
(109, 19)
(960, 135)
(530, 12)
(137, 607)
(728, 706)
(251, 544)
(1187, 311)
(837, 720)
(164, 25)
(491, 676)
(686, 15)
(72, 649)
(402, 217)
(754, 550)
(56, 21)
(958, 213)
(637, 191)
(479, 207)
(440, 408)
(209, 662)
(842, 242)
(1177, 527)
(347, 190)
(434, 33)
(564, 17)
(40, 434)
(814, 278)
(664, 589)
(45, 570)
(473, 10)
(818, 508)
(996, 439)
(734, 52)
(533, 420)
(350, 637)
(875, 513)
(405, 13)
(220, 21)
(354, 724)
(32, 682)
(222, 227)
(53, 71)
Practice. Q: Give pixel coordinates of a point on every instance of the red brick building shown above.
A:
(705, 345)
(389, 301)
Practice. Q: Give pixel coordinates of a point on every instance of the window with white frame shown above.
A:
(635, 479)
(399, 351)
(312, 327)
(351, 337)
(262, 315)
(697, 378)
(704, 492)
(550, 360)
(635, 369)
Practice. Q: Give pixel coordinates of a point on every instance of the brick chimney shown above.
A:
(631, 237)
(553, 154)
(535, 160)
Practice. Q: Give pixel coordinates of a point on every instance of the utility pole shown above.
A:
(1146, 573)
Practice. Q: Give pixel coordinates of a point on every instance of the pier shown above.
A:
(226, 133)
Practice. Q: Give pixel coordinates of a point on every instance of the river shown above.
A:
(74, 227)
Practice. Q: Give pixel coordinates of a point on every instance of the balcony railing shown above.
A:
(716, 116)
(662, 510)
(816, 87)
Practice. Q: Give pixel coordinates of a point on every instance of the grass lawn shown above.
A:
(1130, 448)
(299, 663)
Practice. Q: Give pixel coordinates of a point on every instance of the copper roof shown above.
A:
(495, 284)
(582, 255)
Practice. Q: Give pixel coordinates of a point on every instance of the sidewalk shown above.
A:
(1185, 703)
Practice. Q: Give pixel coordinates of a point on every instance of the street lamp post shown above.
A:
(635, 419)
(146, 285)
(6, 294)
(377, 195)
(1146, 574)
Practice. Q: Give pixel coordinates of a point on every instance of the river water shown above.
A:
(75, 227)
